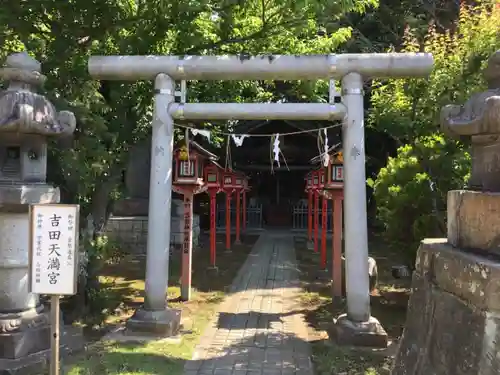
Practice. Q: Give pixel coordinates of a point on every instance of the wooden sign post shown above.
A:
(53, 261)
(187, 248)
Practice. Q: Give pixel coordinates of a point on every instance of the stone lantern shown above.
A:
(27, 119)
(478, 121)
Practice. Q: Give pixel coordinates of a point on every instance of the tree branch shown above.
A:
(257, 34)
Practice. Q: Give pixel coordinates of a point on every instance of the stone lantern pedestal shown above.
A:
(453, 321)
(26, 120)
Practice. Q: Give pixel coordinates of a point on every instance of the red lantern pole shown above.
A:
(187, 247)
(228, 221)
(337, 246)
(213, 207)
(316, 220)
(238, 203)
(324, 224)
(244, 209)
(309, 214)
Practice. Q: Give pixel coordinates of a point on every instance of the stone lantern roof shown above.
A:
(478, 119)
(24, 111)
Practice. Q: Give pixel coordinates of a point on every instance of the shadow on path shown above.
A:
(252, 320)
(262, 354)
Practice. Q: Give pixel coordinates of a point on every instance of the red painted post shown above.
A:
(228, 221)
(316, 220)
(324, 223)
(213, 243)
(309, 214)
(238, 203)
(244, 213)
(187, 248)
(337, 247)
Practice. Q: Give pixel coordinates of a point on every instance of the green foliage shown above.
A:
(95, 253)
(411, 191)
(113, 116)
(103, 250)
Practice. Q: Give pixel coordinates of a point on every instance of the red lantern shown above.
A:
(309, 182)
(189, 165)
(213, 176)
(213, 173)
(239, 181)
(189, 161)
(321, 177)
(315, 180)
(232, 182)
(335, 173)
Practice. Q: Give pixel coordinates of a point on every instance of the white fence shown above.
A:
(253, 217)
(300, 216)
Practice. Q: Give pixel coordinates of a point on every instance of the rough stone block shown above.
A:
(453, 318)
(162, 323)
(20, 344)
(368, 334)
(71, 341)
(474, 220)
(474, 278)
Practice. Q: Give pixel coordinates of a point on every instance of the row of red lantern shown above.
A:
(226, 180)
(329, 183)
(196, 171)
(327, 178)
(197, 167)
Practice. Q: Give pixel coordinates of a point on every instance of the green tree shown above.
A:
(411, 190)
(113, 116)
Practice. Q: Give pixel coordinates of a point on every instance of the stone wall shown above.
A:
(131, 232)
(453, 320)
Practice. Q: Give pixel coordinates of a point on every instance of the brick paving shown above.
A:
(258, 329)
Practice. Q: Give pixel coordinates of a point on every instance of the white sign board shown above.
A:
(53, 249)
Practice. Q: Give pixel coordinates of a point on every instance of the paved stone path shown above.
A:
(258, 329)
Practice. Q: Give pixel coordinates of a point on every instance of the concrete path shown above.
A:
(258, 329)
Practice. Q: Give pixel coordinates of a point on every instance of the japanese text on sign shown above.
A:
(188, 218)
(53, 249)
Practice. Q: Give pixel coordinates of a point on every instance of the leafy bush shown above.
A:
(411, 190)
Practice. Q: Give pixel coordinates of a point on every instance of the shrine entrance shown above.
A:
(351, 69)
(277, 212)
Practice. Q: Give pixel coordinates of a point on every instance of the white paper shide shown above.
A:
(54, 240)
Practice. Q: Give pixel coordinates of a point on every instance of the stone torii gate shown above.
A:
(155, 317)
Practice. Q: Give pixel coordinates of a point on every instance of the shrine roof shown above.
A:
(317, 159)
